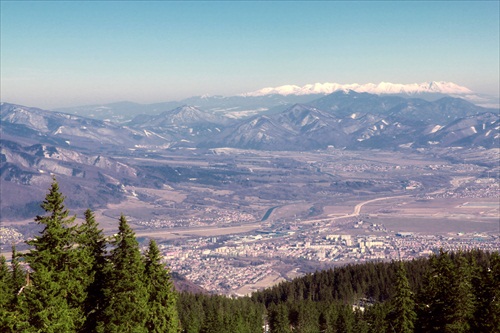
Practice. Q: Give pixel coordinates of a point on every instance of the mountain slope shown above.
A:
(347, 103)
(482, 130)
(185, 125)
(69, 130)
(182, 116)
(26, 171)
(300, 127)
(236, 107)
(353, 120)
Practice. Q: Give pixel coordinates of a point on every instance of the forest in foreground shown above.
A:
(74, 279)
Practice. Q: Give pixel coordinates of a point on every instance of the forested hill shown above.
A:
(448, 292)
(81, 281)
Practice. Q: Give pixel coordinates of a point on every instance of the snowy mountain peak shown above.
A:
(441, 87)
(185, 108)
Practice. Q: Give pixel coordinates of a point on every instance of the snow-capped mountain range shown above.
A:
(277, 99)
(433, 87)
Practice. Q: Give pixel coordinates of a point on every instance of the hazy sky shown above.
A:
(57, 54)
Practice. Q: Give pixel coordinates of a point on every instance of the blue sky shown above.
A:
(57, 54)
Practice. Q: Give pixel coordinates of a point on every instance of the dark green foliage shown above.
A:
(75, 286)
(436, 306)
(486, 288)
(446, 293)
(12, 282)
(191, 314)
(52, 302)
(375, 317)
(210, 313)
(125, 294)
(316, 305)
(5, 280)
(448, 300)
(17, 284)
(345, 319)
(492, 283)
(304, 316)
(6, 295)
(360, 324)
(162, 314)
(403, 314)
(278, 319)
(18, 274)
(92, 243)
(462, 297)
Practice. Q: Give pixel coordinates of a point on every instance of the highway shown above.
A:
(247, 227)
(356, 211)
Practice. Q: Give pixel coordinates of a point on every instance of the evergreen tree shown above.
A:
(53, 301)
(5, 281)
(403, 313)
(462, 298)
(332, 316)
(162, 314)
(376, 317)
(494, 304)
(345, 319)
(487, 291)
(254, 316)
(17, 284)
(18, 274)
(436, 306)
(6, 295)
(360, 324)
(125, 294)
(278, 319)
(191, 312)
(213, 322)
(307, 317)
(93, 245)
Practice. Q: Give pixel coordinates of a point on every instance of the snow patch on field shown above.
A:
(436, 128)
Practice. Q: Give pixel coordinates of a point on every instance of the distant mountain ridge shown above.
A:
(435, 87)
(44, 126)
(185, 115)
(361, 120)
(342, 119)
(236, 107)
(90, 154)
(276, 99)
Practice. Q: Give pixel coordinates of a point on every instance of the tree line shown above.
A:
(81, 281)
(447, 292)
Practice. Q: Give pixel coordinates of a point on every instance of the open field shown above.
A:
(269, 280)
(400, 213)
(206, 232)
(433, 226)
(444, 208)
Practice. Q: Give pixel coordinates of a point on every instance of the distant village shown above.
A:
(215, 263)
